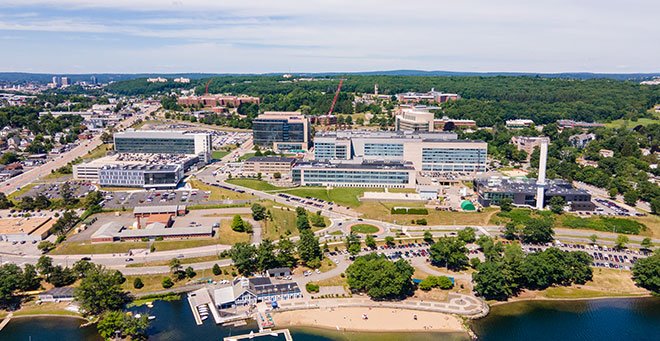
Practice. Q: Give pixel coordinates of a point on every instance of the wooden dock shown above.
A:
(199, 298)
(267, 332)
(6, 320)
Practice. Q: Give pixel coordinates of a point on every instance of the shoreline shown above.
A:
(350, 319)
(49, 315)
(530, 299)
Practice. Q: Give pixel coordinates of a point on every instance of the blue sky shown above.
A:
(255, 36)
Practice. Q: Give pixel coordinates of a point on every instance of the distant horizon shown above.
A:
(357, 72)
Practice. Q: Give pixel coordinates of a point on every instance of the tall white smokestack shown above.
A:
(540, 182)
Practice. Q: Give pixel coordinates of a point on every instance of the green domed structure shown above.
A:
(467, 205)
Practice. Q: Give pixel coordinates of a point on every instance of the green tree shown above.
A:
(5, 203)
(353, 244)
(81, 267)
(538, 231)
(30, 279)
(266, 255)
(450, 252)
(190, 272)
(646, 243)
(244, 257)
(510, 231)
(114, 324)
(137, 283)
(506, 204)
(646, 272)
(621, 242)
(428, 237)
(593, 238)
(216, 270)
(309, 249)
(167, 283)
(612, 192)
(655, 206)
(380, 278)
(45, 246)
(44, 265)
(389, 240)
(630, 197)
(467, 235)
(258, 212)
(237, 224)
(491, 283)
(100, 290)
(286, 250)
(370, 242)
(302, 221)
(557, 204)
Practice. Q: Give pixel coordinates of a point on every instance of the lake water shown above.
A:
(616, 319)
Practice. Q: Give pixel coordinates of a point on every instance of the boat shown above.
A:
(137, 316)
(204, 317)
(151, 317)
(251, 336)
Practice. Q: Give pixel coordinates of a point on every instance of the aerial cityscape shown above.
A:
(290, 170)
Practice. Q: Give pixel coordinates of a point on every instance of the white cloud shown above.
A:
(315, 35)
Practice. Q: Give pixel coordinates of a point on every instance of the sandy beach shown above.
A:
(378, 320)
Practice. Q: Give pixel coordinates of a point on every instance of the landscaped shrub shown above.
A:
(312, 288)
(409, 210)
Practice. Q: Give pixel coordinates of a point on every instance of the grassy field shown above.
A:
(218, 193)
(382, 211)
(219, 154)
(190, 260)
(31, 308)
(154, 282)
(631, 124)
(652, 223)
(77, 248)
(98, 152)
(258, 185)
(284, 221)
(245, 156)
(605, 224)
(364, 228)
(23, 190)
(228, 236)
(605, 282)
(333, 281)
(345, 196)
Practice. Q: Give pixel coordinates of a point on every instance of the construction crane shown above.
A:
(334, 100)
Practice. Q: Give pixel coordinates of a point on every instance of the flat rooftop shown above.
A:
(377, 165)
(156, 134)
(21, 225)
(127, 159)
(271, 159)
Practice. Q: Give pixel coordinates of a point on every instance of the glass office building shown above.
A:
(164, 142)
(454, 159)
(282, 131)
(365, 174)
(429, 151)
(145, 176)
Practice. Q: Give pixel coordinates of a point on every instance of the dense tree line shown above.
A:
(380, 278)
(646, 272)
(507, 270)
(488, 100)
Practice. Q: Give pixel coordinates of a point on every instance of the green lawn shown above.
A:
(219, 154)
(245, 156)
(258, 185)
(631, 124)
(345, 196)
(605, 224)
(218, 193)
(521, 216)
(98, 152)
(364, 228)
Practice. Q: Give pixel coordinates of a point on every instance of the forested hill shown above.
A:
(488, 100)
(22, 77)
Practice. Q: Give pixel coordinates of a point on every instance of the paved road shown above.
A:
(82, 149)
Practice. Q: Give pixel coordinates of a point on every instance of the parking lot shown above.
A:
(115, 200)
(52, 191)
(603, 256)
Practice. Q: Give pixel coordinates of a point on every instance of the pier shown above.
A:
(286, 332)
(199, 298)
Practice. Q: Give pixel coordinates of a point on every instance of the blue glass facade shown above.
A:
(454, 159)
(383, 149)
